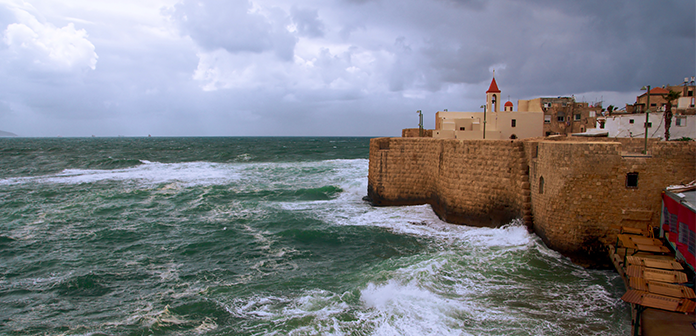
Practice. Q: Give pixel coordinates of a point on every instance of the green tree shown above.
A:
(669, 97)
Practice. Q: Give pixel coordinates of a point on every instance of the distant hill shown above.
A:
(7, 134)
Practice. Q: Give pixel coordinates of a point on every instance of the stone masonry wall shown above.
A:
(415, 133)
(583, 201)
(585, 198)
(480, 183)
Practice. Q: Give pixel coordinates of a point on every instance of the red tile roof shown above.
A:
(508, 103)
(659, 90)
(493, 87)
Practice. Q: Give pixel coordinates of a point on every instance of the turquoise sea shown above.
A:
(262, 236)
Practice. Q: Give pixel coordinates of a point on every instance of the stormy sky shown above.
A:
(320, 68)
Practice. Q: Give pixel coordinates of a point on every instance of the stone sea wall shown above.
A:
(571, 192)
(482, 183)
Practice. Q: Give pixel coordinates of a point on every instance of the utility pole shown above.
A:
(420, 123)
(484, 120)
(647, 113)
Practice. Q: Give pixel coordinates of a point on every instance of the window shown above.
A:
(631, 121)
(687, 237)
(669, 220)
(577, 117)
(541, 185)
(560, 118)
(601, 124)
(632, 180)
(649, 125)
(653, 104)
(547, 119)
(690, 93)
(462, 128)
(593, 114)
(535, 153)
(680, 121)
(514, 123)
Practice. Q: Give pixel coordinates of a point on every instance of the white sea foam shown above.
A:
(188, 174)
(407, 309)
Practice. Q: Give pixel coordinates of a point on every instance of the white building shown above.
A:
(633, 126)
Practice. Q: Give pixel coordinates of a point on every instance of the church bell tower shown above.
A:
(493, 97)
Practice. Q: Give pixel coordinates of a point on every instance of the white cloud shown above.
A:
(45, 47)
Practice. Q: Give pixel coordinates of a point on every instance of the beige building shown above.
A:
(491, 124)
(685, 104)
(563, 115)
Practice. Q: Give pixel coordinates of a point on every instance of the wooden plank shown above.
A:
(633, 231)
(687, 306)
(670, 290)
(668, 264)
(653, 274)
(634, 271)
(662, 288)
(633, 260)
(659, 276)
(625, 241)
(633, 296)
(638, 284)
(645, 240)
(659, 301)
(663, 264)
(652, 248)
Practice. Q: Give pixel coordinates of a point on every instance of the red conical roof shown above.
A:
(493, 87)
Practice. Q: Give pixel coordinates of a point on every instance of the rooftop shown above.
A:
(493, 87)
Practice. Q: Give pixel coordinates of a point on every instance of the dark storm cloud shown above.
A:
(235, 27)
(307, 67)
(307, 21)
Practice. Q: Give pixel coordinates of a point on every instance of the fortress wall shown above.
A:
(470, 182)
(489, 183)
(479, 182)
(401, 170)
(415, 133)
(585, 198)
(573, 208)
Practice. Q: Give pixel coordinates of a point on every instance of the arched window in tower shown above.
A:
(541, 185)
(494, 101)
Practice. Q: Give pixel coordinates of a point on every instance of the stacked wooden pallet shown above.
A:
(654, 278)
